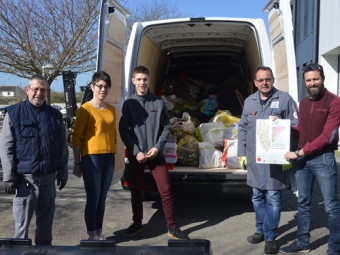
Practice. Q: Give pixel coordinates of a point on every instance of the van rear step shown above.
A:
(13, 246)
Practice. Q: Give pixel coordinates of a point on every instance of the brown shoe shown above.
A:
(177, 234)
(133, 230)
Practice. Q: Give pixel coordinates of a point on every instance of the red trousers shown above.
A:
(161, 175)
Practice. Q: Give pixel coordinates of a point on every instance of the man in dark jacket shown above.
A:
(144, 129)
(34, 153)
(319, 121)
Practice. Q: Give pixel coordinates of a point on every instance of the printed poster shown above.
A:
(272, 141)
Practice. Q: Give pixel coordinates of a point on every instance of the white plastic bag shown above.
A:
(212, 132)
(169, 105)
(231, 132)
(184, 125)
(209, 156)
(188, 126)
(229, 157)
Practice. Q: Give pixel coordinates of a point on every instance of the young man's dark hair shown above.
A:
(141, 69)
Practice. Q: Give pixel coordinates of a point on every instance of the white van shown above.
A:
(210, 49)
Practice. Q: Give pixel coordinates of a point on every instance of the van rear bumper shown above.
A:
(196, 183)
(202, 186)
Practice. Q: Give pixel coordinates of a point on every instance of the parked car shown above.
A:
(63, 111)
(56, 107)
(2, 112)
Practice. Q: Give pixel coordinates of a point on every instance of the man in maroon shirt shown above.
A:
(319, 120)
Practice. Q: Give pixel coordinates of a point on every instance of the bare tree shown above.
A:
(51, 35)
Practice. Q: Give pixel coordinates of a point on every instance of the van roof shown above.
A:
(180, 37)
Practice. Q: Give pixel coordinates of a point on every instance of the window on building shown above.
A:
(313, 15)
(297, 27)
(305, 19)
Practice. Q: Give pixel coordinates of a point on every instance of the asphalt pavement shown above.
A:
(225, 220)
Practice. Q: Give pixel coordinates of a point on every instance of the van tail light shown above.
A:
(125, 183)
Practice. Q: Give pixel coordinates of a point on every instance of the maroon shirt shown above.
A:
(319, 121)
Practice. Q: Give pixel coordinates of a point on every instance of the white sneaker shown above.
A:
(94, 237)
(101, 237)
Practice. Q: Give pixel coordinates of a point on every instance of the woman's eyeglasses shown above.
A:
(100, 87)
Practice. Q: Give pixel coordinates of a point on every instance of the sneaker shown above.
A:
(177, 234)
(94, 237)
(295, 247)
(133, 230)
(256, 238)
(270, 247)
(101, 237)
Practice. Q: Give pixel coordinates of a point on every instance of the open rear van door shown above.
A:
(111, 51)
(281, 37)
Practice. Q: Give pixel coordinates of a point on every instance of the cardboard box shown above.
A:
(170, 149)
(170, 159)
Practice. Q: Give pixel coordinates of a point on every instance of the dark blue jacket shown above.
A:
(39, 141)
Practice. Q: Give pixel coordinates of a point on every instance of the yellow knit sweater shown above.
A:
(95, 130)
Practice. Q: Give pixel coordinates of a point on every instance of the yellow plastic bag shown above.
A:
(227, 119)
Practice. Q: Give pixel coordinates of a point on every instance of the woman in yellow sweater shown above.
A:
(94, 148)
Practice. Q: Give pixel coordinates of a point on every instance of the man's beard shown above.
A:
(314, 93)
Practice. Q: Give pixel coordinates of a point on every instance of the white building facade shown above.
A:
(329, 43)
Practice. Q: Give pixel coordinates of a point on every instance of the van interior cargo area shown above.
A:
(195, 64)
(218, 55)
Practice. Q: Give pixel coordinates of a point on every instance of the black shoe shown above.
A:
(256, 238)
(176, 233)
(270, 247)
(133, 230)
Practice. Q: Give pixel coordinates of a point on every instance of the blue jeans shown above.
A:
(267, 206)
(97, 171)
(323, 168)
